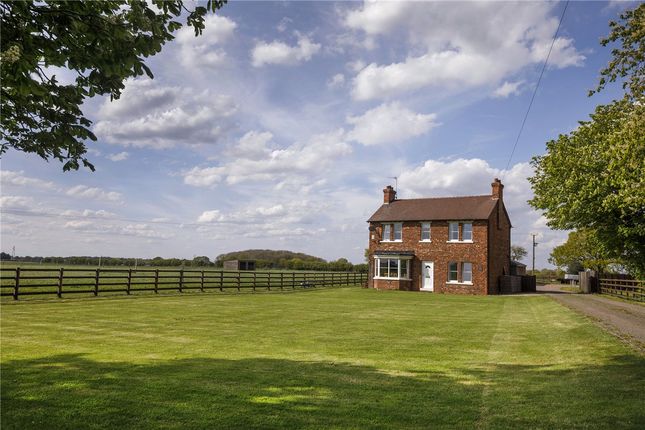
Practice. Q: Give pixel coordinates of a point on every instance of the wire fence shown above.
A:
(17, 282)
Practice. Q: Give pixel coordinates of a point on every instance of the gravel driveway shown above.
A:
(625, 320)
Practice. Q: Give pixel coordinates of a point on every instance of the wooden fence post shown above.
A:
(221, 280)
(16, 285)
(254, 282)
(269, 281)
(202, 284)
(293, 280)
(156, 281)
(59, 291)
(96, 283)
(127, 290)
(281, 280)
(181, 280)
(238, 281)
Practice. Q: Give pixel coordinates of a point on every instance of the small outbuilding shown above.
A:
(517, 268)
(239, 265)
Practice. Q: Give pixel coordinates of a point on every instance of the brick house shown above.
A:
(447, 244)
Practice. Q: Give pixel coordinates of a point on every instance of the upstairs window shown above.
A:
(425, 232)
(387, 232)
(453, 232)
(460, 231)
(393, 232)
(467, 231)
(398, 231)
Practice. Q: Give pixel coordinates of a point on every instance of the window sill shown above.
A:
(459, 241)
(392, 279)
(425, 241)
(391, 241)
(458, 283)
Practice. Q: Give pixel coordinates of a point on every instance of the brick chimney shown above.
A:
(498, 189)
(389, 195)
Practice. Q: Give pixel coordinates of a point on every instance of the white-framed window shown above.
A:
(387, 232)
(453, 232)
(467, 231)
(467, 272)
(460, 231)
(425, 232)
(398, 231)
(393, 232)
(452, 272)
(391, 267)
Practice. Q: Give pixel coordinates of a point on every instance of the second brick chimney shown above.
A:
(498, 189)
(389, 195)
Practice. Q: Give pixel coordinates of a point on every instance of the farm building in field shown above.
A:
(239, 265)
(445, 244)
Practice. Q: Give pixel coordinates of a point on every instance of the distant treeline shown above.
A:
(265, 259)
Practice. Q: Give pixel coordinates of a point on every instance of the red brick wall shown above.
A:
(440, 252)
(499, 248)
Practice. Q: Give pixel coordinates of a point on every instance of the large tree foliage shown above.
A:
(582, 250)
(101, 42)
(594, 177)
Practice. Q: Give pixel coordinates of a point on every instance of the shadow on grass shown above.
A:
(72, 391)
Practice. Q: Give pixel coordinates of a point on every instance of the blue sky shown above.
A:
(280, 125)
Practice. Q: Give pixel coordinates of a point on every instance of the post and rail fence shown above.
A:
(630, 289)
(18, 282)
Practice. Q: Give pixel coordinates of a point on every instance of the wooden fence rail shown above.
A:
(630, 289)
(18, 282)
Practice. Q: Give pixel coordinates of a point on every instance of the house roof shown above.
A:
(438, 208)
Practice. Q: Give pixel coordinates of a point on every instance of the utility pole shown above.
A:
(13, 252)
(534, 245)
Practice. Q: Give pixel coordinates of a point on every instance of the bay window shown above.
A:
(392, 267)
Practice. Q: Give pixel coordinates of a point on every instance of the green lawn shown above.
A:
(343, 358)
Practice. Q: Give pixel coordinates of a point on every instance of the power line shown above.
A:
(537, 85)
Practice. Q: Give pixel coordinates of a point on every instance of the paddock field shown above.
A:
(346, 358)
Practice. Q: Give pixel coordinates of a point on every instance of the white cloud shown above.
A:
(204, 50)
(457, 47)
(336, 81)
(508, 89)
(129, 230)
(119, 157)
(17, 202)
(9, 177)
(152, 115)
(253, 145)
(309, 160)
(95, 193)
(280, 53)
(389, 123)
(88, 213)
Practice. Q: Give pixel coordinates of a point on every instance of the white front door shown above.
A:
(428, 276)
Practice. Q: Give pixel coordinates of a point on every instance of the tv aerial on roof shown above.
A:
(396, 182)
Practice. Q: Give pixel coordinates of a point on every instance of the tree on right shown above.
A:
(593, 178)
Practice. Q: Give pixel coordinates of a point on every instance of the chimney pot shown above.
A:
(389, 195)
(497, 189)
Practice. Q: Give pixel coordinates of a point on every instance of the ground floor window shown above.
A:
(392, 267)
(464, 268)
